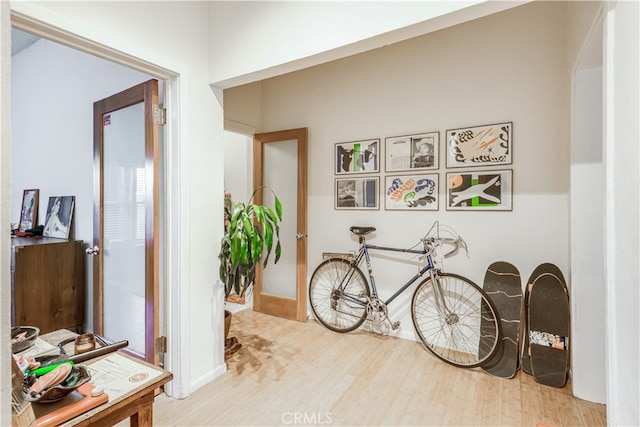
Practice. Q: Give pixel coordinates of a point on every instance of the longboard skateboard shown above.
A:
(503, 286)
(525, 357)
(548, 320)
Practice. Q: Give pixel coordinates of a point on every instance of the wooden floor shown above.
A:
(291, 373)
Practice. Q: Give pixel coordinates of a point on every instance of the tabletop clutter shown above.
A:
(44, 374)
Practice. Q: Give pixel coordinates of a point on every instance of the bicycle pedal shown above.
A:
(395, 325)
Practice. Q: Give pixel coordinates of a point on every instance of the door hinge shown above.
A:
(160, 345)
(160, 116)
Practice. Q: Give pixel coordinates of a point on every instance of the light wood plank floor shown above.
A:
(291, 373)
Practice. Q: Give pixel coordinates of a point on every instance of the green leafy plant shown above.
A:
(251, 230)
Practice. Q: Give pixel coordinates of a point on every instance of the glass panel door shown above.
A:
(123, 244)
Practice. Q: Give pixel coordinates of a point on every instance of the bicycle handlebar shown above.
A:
(458, 242)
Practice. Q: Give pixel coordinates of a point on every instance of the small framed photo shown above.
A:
(59, 215)
(489, 145)
(411, 192)
(29, 210)
(357, 193)
(412, 152)
(479, 191)
(357, 157)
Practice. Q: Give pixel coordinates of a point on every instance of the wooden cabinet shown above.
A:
(47, 283)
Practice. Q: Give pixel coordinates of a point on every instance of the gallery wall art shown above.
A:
(357, 193)
(357, 157)
(411, 192)
(412, 163)
(412, 152)
(479, 191)
(488, 145)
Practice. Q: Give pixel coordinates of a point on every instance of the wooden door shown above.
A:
(280, 162)
(125, 246)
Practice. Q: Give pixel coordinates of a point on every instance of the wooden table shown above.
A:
(136, 403)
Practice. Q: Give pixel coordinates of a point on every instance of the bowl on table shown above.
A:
(23, 337)
(76, 376)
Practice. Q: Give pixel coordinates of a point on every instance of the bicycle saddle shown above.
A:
(361, 231)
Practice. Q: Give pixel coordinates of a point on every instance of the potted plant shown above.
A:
(250, 232)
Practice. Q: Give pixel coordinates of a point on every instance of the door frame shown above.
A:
(173, 133)
(271, 304)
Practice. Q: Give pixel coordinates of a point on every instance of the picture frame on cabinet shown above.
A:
(412, 152)
(357, 193)
(488, 145)
(416, 192)
(485, 190)
(29, 209)
(357, 157)
(59, 216)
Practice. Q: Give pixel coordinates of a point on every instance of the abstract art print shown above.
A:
(411, 192)
(479, 191)
(357, 193)
(488, 145)
(412, 152)
(59, 215)
(357, 157)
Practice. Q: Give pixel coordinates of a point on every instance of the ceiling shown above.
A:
(21, 40)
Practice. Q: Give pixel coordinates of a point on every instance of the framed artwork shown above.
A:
(479, 191)
(357, 193)
(488, 145)
(29, 210)
(412, 152)
(357, 157)
(59, 215)
(411, 192)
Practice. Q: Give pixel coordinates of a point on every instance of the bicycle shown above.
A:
(454, 318)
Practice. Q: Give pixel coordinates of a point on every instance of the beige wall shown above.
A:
(509, 66)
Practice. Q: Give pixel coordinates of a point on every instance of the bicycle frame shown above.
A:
(363, 252)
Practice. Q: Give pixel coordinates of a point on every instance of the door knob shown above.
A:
(93, 251)
(300, 235)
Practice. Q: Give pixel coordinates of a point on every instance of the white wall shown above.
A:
(622, 164)
(467, 75)
(53, 89)
(5, 214)
(587, 280)
(238, 166)
(271, 38)
(588, 319)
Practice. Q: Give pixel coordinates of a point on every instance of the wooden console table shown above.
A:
(135, 403)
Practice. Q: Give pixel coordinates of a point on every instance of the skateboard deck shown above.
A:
(548, 321)
(503, 286)
(525, 358)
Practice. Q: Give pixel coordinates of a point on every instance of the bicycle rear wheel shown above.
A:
(339, 306)
(462, 326)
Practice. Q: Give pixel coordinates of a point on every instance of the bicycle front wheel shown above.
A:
(339, 295)
(455, 320)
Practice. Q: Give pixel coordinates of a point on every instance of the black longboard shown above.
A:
(503, 285)
(525, 359)
(549, 323)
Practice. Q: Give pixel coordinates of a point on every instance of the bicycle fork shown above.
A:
(449, 316)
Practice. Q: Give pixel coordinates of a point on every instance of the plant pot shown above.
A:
(227, 323)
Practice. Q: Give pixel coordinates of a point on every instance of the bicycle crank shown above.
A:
(377, 310)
